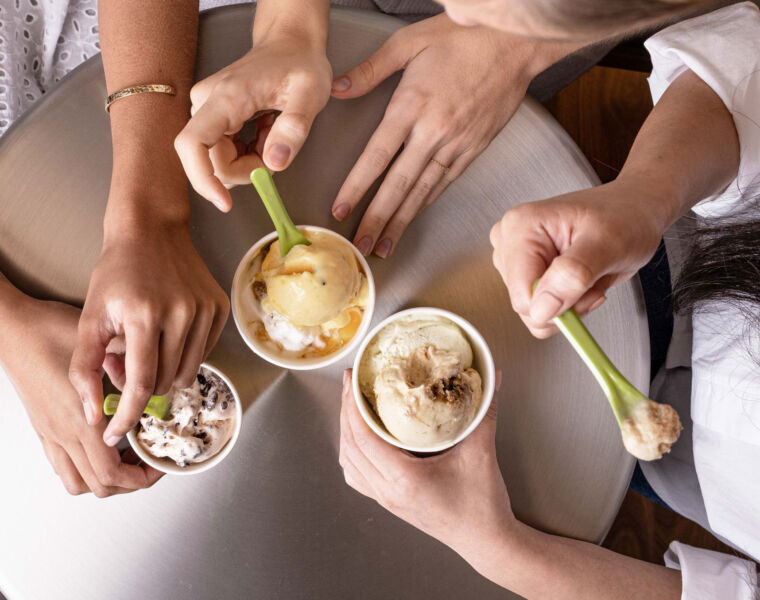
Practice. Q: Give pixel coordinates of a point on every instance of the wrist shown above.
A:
(297, 34)
(530, 56)
(659, 197)
(133, 214)
(547, 53)
(284, 24)
(476, 540)
(148, 183)
(10, 297)
(15, 316)
(143, 128)
(495, 552)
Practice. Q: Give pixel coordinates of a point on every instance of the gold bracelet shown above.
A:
(139, 89)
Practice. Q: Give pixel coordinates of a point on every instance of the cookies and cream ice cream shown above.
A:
(309, 302)
(201, 421)
(417, 374)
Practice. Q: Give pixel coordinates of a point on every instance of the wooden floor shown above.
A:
(603, 111)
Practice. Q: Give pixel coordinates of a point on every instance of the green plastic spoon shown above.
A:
(158, 406)
(287, 233)
(622, 395)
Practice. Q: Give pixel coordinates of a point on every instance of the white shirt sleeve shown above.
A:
(709, 575)
(723, 49)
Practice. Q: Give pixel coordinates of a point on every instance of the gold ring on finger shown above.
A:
(440, 164)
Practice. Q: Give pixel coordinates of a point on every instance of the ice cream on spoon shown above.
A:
(648, 428)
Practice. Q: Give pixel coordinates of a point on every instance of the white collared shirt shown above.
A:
(723, 49)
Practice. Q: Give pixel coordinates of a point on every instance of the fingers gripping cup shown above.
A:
(307, 309)
(423, 379)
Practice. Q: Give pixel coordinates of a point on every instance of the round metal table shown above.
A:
(276, 520)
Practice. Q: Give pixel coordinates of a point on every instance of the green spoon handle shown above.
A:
(612, 381)
(158, 406)
(287, 233)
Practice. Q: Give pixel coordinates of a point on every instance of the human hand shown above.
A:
(283, 74)
(578, 244)
(151, 287)
(457, 497)
(42, 345)
(459, 88)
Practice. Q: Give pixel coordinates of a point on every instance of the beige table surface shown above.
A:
(276, 520)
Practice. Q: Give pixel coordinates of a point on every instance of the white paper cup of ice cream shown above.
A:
(248, 314)
(168, 465)
(482, 362)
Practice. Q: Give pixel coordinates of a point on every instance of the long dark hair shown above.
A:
(724, 265)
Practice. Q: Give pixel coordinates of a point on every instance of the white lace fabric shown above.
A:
(41, 41)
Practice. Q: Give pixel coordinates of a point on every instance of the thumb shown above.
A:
(392, 56)
(569, 276)
(288, 134)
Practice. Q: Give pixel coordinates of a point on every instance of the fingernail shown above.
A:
(384, 248)
(278, 155)
(113, 440)
(341, 84)
(598, 303)
(545, 307)
(88, 412)
(364, 245)
(341, 211)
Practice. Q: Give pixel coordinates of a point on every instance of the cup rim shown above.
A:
(167, 466)
(488, 377)
(300, 364)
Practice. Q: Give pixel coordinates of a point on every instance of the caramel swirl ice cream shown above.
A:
(417, 374)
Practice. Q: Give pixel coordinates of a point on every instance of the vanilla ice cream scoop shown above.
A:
(311, 285)
(427, 398)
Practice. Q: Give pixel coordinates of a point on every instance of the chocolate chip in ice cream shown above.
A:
(451, 390)
(192, 433)
(259, 290)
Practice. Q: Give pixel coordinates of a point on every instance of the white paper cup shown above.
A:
(265, 351)
(169, 466)
(482, 363)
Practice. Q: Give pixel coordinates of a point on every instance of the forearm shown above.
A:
(15, 320)
(537, 565)
(306, 20)
(148, 41)
(686, 151)
(9, 298)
